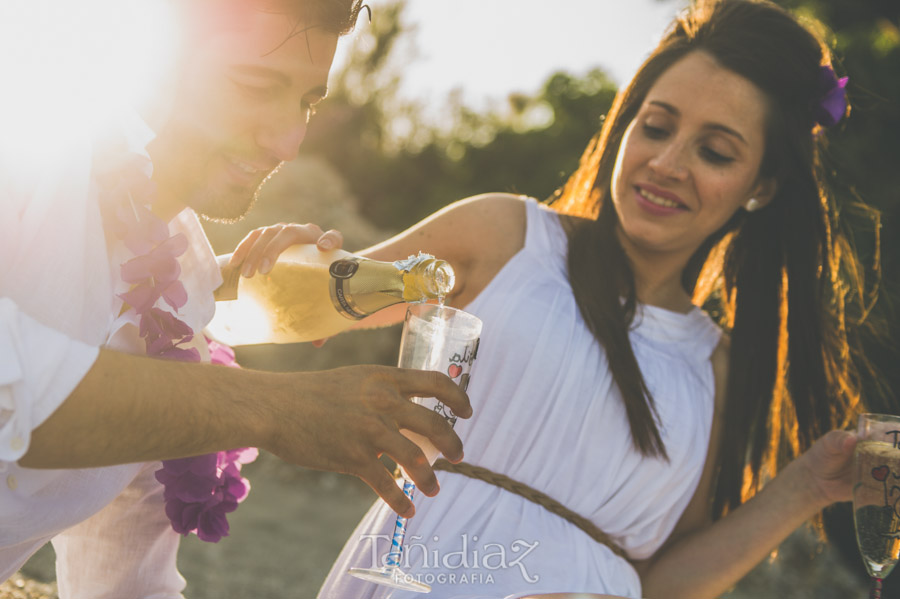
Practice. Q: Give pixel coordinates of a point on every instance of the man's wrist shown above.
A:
(252, 412)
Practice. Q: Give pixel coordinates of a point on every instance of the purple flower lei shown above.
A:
(199, 490)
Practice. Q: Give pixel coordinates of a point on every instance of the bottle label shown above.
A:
(343, 269)
(341, 272)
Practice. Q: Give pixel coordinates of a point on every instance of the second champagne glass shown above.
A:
(435, 337)
(876, 495)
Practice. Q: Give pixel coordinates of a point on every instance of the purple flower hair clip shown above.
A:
(832, 104)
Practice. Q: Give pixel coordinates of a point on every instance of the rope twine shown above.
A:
(533, 495)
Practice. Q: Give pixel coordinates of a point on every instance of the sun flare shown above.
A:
(69, 68)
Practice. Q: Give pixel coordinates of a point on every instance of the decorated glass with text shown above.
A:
(435, 337)
(876, 495)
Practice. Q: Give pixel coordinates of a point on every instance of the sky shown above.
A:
(491, 48)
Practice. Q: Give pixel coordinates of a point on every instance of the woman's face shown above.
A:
(690, 158)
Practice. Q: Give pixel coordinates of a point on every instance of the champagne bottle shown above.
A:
(310, 294)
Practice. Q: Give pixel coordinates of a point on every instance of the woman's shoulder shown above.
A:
(506, 223)
(508, 209)
(487, 230)
(514, 214)
(495, 222)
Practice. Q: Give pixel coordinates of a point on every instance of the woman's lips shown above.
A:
(658, 202)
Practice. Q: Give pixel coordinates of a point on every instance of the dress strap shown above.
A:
(533, 495)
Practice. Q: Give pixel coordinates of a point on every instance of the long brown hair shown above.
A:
(776, 275)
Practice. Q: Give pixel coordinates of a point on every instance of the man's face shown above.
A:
(241, 108)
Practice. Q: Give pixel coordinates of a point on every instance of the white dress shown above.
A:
(548, 414)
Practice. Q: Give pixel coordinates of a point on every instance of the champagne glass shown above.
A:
(435, 337)
(876, 495)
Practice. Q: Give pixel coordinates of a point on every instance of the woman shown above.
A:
(601, 383)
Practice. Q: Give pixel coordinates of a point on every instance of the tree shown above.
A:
(403, 170)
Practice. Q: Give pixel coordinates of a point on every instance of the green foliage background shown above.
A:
(402, 178)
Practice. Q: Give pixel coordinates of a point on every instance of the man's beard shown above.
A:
(188, 169)
(228, 207)
(217, 212)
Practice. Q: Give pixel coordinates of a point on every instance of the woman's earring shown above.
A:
(752, 205)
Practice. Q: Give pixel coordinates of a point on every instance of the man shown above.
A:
(83, 420)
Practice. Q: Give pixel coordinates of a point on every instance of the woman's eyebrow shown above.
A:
(710, 125)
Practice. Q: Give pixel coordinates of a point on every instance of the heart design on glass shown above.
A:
(881, 473)
(454, 370)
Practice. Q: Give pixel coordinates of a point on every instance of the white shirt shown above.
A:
(58, 284)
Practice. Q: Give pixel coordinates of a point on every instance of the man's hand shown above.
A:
(259, 250)
(341, 420)
(346, 418)
(349, 417)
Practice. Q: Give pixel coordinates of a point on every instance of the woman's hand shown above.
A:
(829, 466)
(259, 250)
(708, 560)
